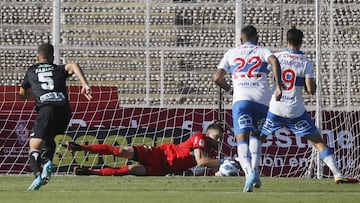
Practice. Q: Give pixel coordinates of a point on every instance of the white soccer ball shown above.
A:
(229, 168)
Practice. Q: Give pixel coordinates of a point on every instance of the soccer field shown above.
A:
(175, 189)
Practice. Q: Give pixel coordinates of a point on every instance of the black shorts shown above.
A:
(51, 121)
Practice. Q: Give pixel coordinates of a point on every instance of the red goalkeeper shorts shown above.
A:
(154, 159)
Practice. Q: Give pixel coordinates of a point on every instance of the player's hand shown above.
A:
(86, 91)
(25, 93)
(278, 93)
(231, 90)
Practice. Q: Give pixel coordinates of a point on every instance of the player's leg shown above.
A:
(42, 126)
(242, 143)
(243, 126)
(138, 170)
(35, 162)
(255, 152)
(58, 120)
(104, 149)
(141, 154)
(246, 119)
(48, 155)
(271, 124)
(310, 132)
(327, 155)
(260, 114)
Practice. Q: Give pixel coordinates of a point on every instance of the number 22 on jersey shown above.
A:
(252, 65)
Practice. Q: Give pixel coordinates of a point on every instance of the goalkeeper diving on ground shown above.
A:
(198, 150)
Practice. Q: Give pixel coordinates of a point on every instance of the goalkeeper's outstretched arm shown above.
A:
(203, 160)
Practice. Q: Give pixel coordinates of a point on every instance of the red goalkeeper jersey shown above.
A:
(172, 158)
(180, 157)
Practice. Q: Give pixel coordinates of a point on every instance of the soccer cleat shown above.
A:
(36, 184)
(257, 182)
(73, 146)
(249, 183)
(46, 172)
(342, 180)
(81, 171)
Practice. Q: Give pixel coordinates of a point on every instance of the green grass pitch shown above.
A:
(171, 189)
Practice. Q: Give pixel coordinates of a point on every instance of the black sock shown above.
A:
(49, 151)
(35, 162)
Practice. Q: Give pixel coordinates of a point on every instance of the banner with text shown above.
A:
(102, 121)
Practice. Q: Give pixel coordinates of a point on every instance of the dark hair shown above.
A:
(295, 36)
(46, 50)
(250, 33)
(215, 126)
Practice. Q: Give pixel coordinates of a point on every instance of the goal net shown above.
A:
(150, 65)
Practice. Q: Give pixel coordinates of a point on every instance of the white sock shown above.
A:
(244, 156)
(331, 163)
(255, 151)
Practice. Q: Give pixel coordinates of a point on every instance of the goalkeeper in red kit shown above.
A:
(158, 160)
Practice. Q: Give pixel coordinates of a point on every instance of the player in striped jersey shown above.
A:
(290, 112)
(248, 65)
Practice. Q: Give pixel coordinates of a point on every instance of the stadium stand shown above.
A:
(107, 37)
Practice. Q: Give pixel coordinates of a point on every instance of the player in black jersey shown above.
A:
(48, 84)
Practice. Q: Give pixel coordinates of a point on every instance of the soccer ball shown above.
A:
(229, 168)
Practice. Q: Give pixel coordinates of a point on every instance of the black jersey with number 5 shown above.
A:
(48, 83)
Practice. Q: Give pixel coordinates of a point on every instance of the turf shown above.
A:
(171, 189)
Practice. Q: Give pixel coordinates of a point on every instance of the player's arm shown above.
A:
(310, 85)
(220, 80)
(75, 68)
(25, 89)
(203, 160)
(23, 93)
(273, 61)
